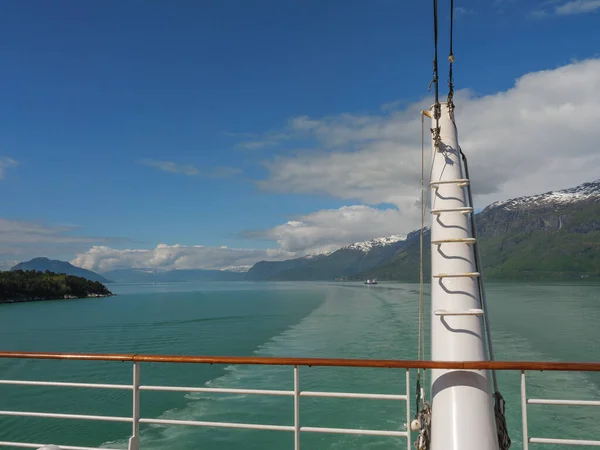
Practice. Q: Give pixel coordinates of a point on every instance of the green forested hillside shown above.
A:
(30, 285)
(525, 241)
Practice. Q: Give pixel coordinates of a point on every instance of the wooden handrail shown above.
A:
(317, 362)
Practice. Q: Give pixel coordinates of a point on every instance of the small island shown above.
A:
(33, 285)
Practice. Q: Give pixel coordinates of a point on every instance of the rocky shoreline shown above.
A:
(64, 297)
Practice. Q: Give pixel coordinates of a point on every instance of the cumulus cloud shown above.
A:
(321, 231)
(566, 9)
(331, 229)
(537, 136)
(164, 256)
(577, 7)
(540, 135)
(6, 163)
(317, 232)
(23, 240)
(189, 169)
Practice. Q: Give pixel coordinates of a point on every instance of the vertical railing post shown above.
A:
(408, 443)
(134, 440)
(296, 409)
(524, 411)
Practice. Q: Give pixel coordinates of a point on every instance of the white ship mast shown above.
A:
(461, 414)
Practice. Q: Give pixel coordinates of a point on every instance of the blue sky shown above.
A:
(132, 124)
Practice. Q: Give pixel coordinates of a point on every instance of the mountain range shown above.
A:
(555, 235)
(344, 262)
(54, 265)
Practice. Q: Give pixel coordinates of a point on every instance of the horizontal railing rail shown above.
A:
(136, 387)
(541, 401)
(316, 362)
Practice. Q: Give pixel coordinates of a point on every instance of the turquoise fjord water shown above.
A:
(530, 322)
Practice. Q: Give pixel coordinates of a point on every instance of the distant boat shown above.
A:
(371, 281)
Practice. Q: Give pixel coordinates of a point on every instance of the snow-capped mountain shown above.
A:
(243, 268)
(341, 263)
(585, 191)
(364, 246)
(367, 246)
(318, 254)
(555, 235)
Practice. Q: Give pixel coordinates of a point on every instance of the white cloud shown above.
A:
(189, 169)
(550, 8)
(540, 135)
(317, 232)
(331, 229)
(22, 240)
(164, 256)
(577, 7)
(6, 163)
(170, 166)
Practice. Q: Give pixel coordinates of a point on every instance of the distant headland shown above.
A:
(33, 285)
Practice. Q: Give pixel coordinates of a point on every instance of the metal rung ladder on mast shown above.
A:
(457, 312)
(461, 183)
(470, 312)
(455, 241)
(462, 210)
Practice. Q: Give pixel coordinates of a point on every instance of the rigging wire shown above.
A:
(435, 52)
(435, 79)
(421, 405)
(504, 440)
(421, 342)
(422, 420)
(435, 131)
(450, 61)
(480, 281)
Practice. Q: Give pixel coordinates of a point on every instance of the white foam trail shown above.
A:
(350, 323)
(354, 322)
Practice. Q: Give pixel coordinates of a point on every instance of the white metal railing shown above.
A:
(136, 388)
(539, 401)
(136, 418)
